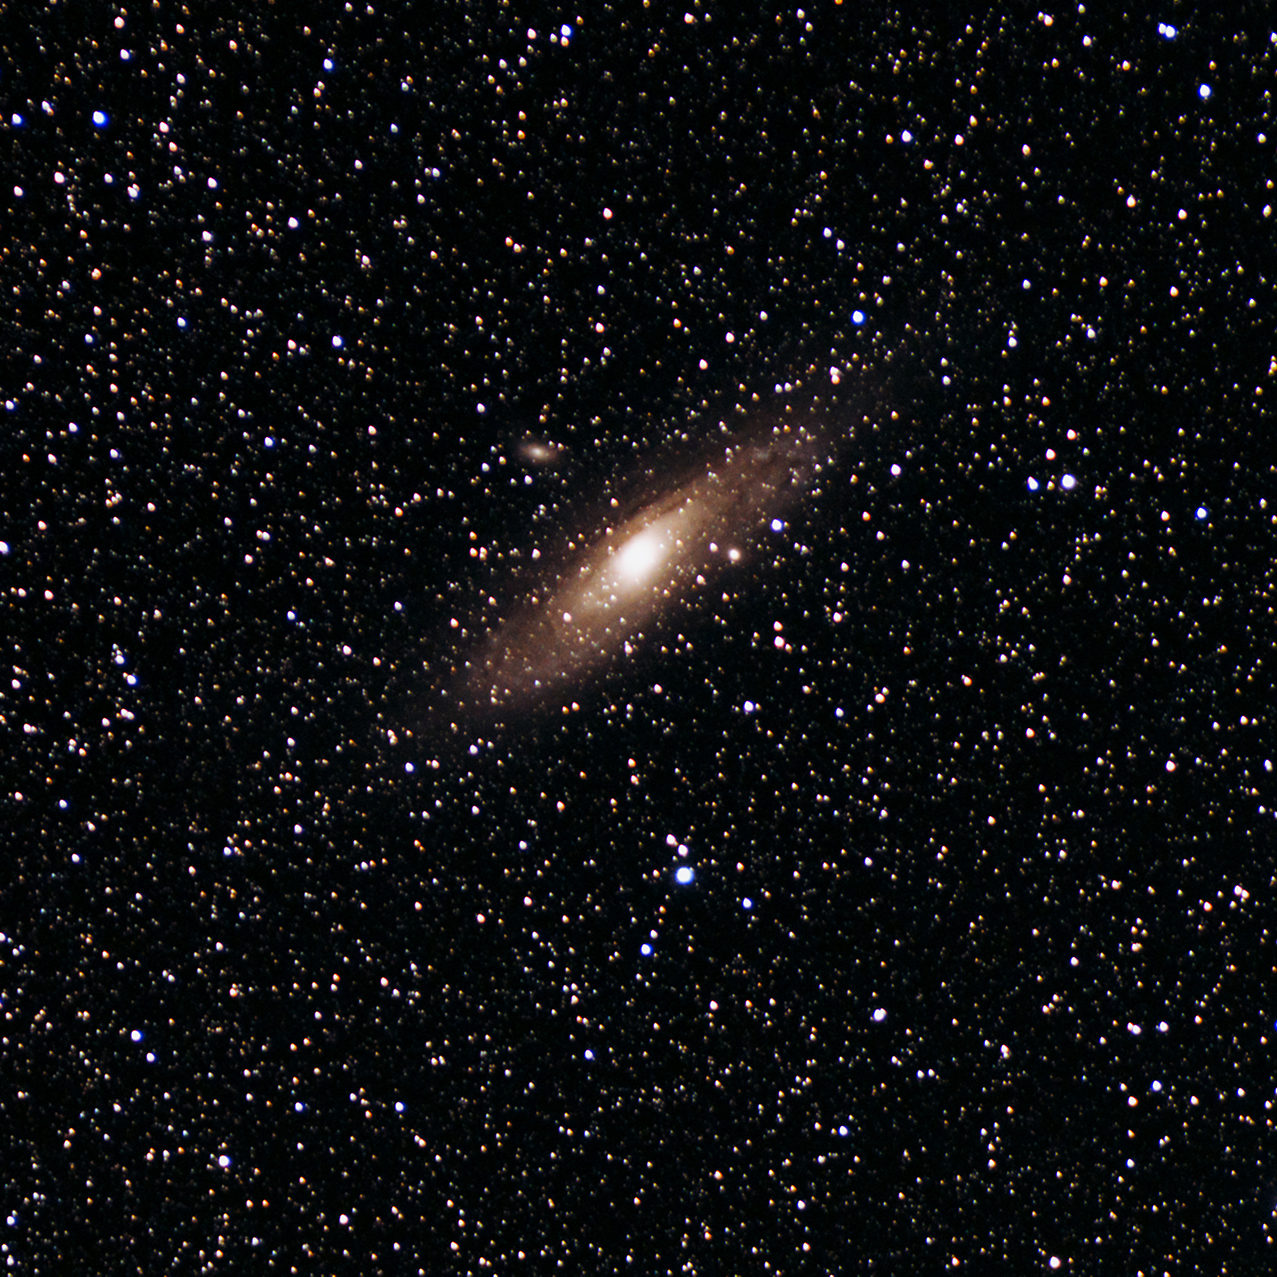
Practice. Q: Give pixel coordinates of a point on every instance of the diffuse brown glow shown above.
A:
(690, 517)
(632, 570)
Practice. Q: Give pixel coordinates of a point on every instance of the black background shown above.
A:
(1002, 775)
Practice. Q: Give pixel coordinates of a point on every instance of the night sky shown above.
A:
(899, 901)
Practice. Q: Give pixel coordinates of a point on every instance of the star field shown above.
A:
(896, 897)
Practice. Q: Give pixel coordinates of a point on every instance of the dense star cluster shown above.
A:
(637, 640)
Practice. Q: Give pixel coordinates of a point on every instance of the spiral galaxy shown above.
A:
(703, 521)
